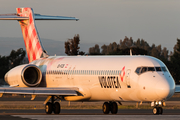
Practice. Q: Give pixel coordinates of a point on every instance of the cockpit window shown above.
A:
(151, 69)
(158, 68)
(140, 70)
(144, 69)
(164, 69)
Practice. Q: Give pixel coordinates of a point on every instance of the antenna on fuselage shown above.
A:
(130, 52)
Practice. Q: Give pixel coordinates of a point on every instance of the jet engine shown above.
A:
(27, 75)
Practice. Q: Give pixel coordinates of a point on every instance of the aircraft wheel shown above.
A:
(160, 110)
(106, 108)
(155, 110)
(49, 108)
(57, 108)
(114, 108)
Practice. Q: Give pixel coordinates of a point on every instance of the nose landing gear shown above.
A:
(157, 110)
(111, 106)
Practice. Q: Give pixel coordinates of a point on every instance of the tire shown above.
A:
(48, 108)
(155, 111)
(160, 110)
(114, 108)
(106, 108)
(57, 108)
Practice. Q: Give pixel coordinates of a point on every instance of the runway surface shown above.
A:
(96, 117)
(89, 112)
(82, 114)
(92, 114)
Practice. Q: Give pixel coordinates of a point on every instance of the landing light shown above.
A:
(160, 103)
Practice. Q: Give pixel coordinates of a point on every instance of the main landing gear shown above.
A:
(111, 106)
(52, 107)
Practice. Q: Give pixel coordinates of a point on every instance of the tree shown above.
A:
(104, 49)
(135, 51)
(72, 46)
(175, 62)
(14, 59)
(4, 66)
(94, 50)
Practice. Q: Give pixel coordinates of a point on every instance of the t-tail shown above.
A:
(26, 18)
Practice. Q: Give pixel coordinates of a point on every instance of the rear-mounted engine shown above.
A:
(24, 75)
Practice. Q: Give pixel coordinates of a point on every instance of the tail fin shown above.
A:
(32, 42)
(26, 18)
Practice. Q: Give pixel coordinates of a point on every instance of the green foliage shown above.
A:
(135, 51)
(139, 47)
(4, 66)
(175, 62)
(14, 59)
(72, 46)
(94, 50)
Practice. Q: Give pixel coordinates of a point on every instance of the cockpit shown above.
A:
(140, 70)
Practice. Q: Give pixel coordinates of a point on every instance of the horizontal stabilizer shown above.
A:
(12, 17)
(64, 91)
(47, 17)
(36, 17)
(26, 18)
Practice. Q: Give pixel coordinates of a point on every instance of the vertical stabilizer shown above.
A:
(26, 18)
(32, 42)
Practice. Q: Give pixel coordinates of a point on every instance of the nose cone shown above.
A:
(165, 89)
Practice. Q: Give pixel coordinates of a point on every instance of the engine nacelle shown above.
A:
(27, 75)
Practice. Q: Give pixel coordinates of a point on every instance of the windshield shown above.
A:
(140, 70)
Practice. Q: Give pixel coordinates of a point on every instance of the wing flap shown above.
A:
(66, 91)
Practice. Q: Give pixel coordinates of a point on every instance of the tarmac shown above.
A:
(81, 114)
(93, 114)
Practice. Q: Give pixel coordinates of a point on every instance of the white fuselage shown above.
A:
(108, 78)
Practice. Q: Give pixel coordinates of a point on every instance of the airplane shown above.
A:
(112, 79)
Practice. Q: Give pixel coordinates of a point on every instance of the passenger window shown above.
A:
(151, 69)
(144, 69)
(158, 68)
(138, 70)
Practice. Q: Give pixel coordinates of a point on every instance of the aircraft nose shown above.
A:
(164, 90)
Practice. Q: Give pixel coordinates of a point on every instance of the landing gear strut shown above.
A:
(111, 106)
(52, 107)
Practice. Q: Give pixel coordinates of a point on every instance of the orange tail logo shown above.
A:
(30, 34)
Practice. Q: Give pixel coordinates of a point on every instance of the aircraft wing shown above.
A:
(64, 91)
(177, 89)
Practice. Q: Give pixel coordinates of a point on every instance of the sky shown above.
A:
(101, 21)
